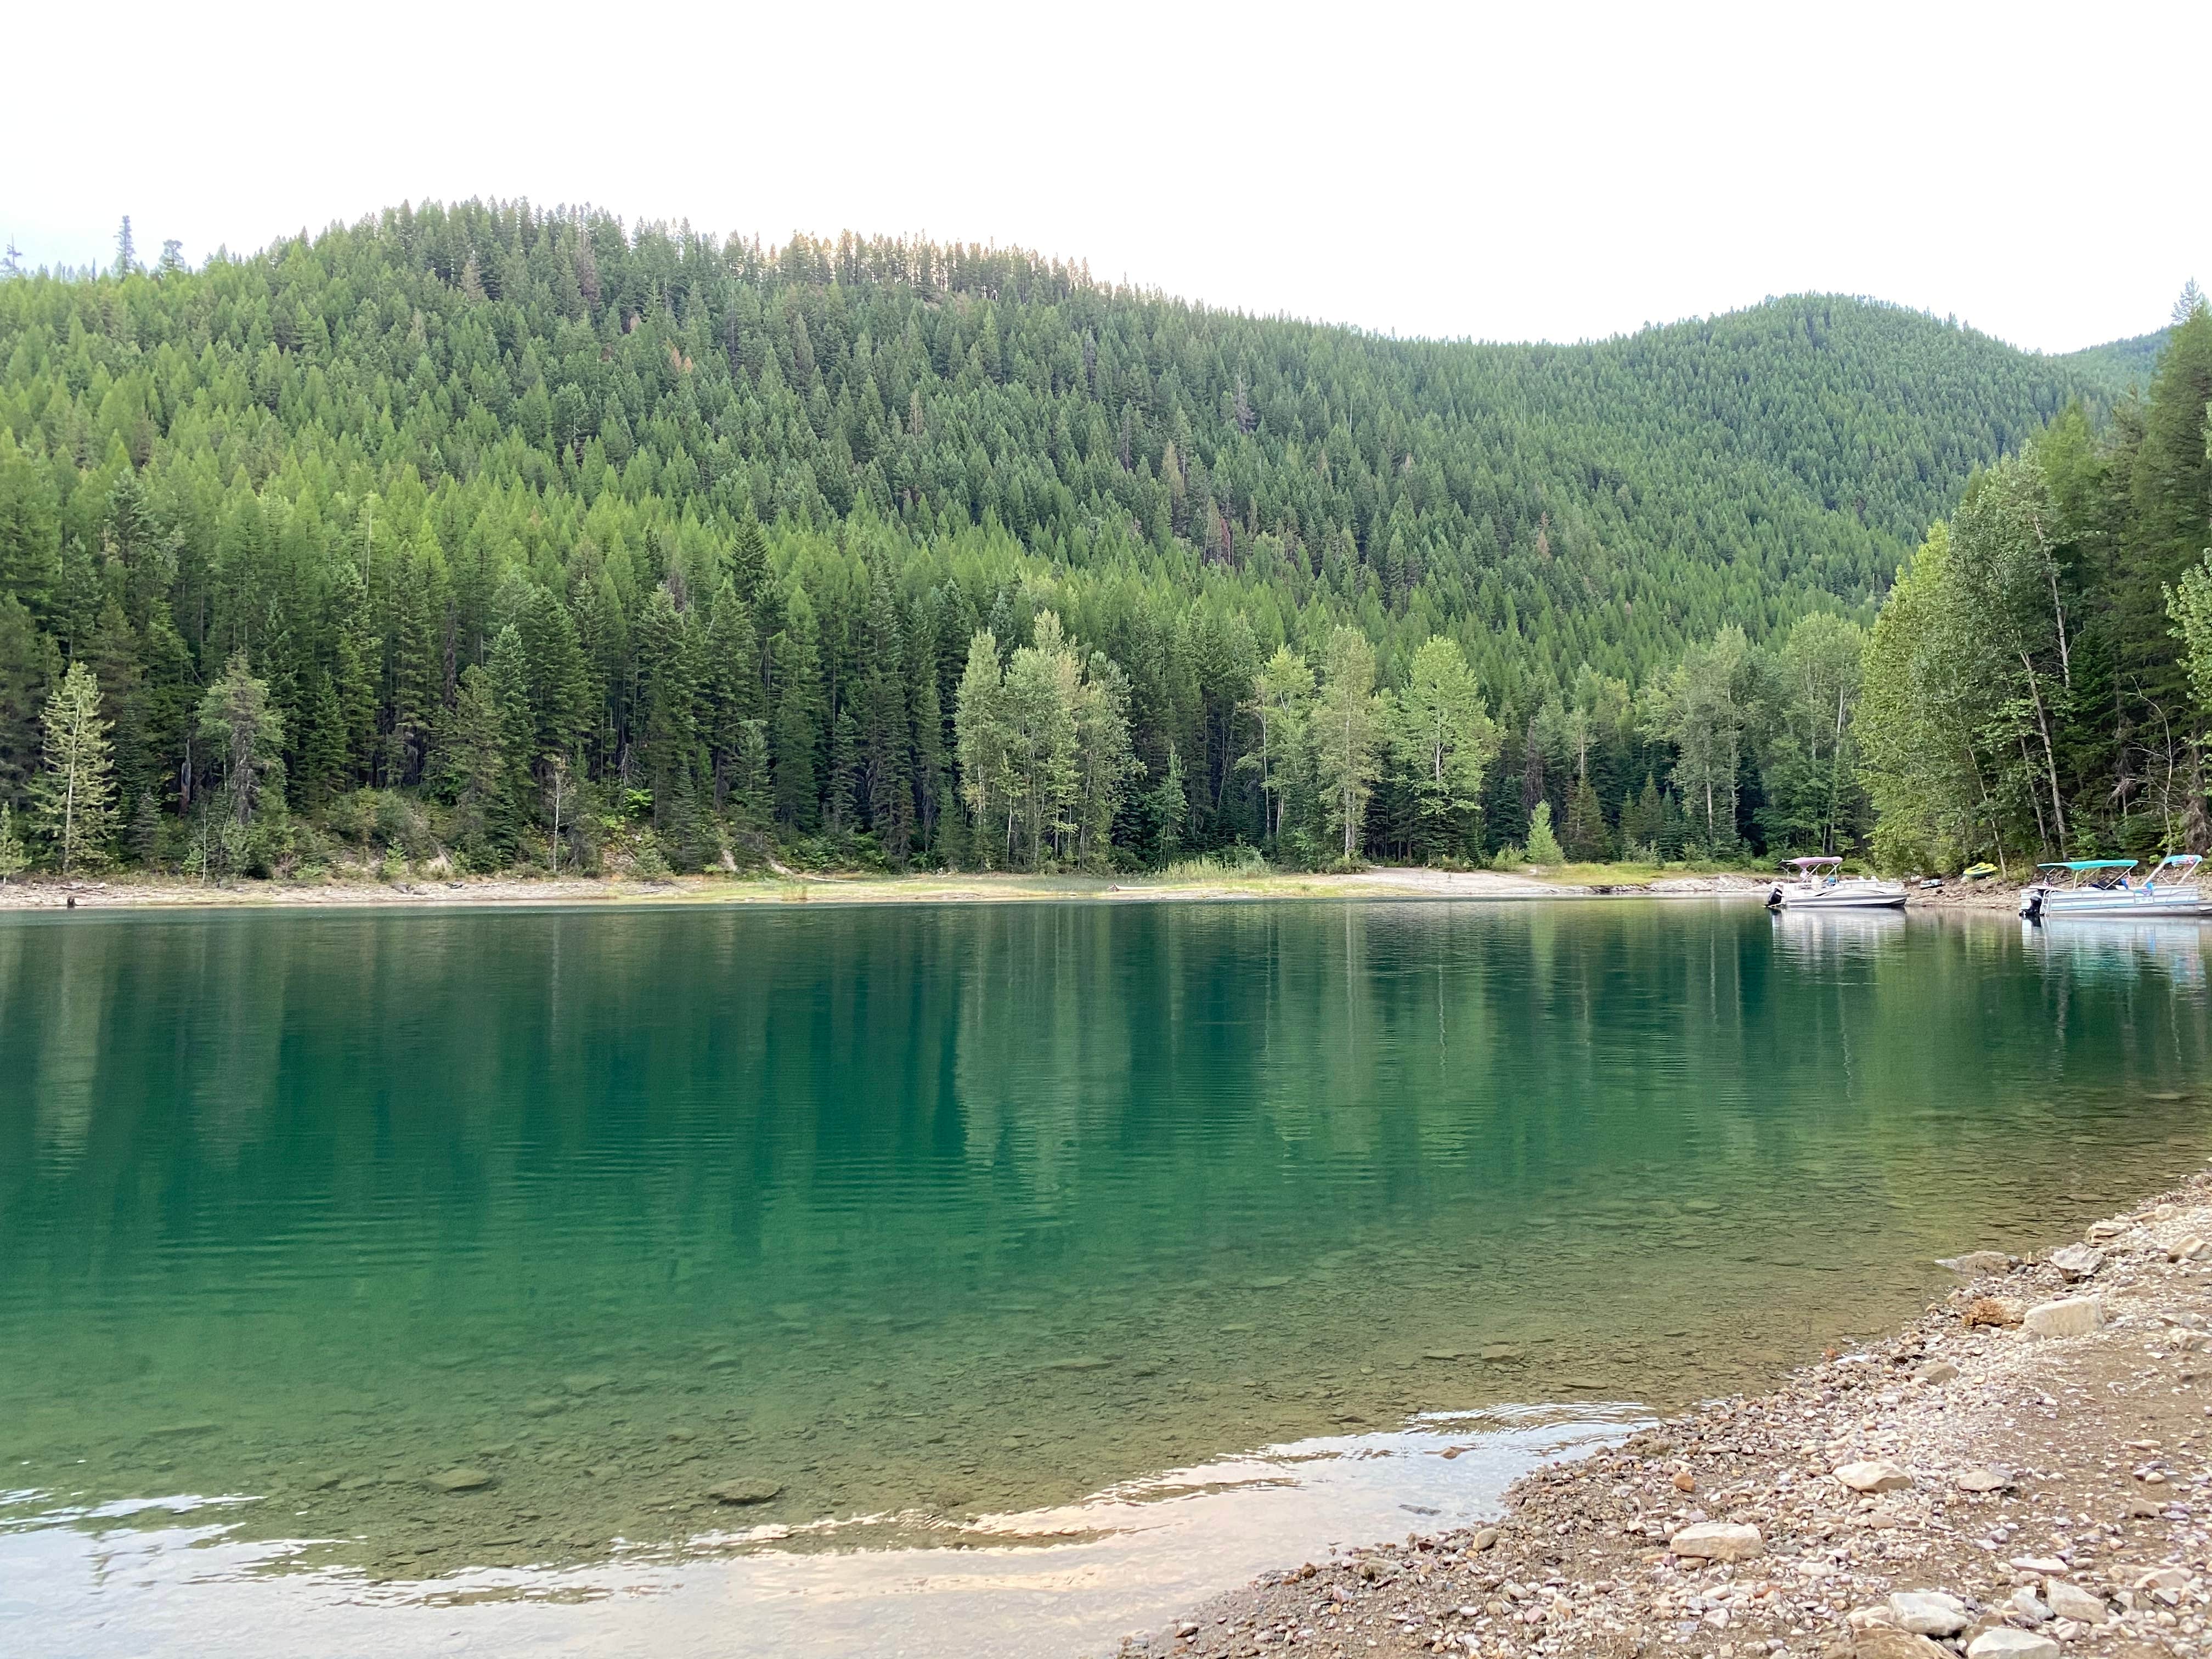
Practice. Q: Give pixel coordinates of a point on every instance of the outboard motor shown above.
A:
(1774, 897)
(2031, 905)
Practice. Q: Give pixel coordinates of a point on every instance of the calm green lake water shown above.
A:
(922, 1214)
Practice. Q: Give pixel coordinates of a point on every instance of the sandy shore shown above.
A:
(47, 894)
(2024, 1473)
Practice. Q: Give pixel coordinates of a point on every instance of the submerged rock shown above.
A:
(464, 1480)
(1976, 1264)
(748, 1489)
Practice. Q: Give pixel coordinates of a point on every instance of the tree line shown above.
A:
(2039, 680)
(506, 535)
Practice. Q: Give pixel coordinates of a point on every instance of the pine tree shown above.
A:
(1543, 843)
(748, 563)
(30, 529)
(13, 859)
(556, 677)
(76, 792)
(322, 744)
(730, 688)
(840, 800)
(245, 731)
(473, 766)
(29, 665)
(1168, 807)
(793, 732)
(1584, 839)
(146, 831)
(885, 785)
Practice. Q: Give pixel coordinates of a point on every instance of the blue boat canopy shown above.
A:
(2092, 864)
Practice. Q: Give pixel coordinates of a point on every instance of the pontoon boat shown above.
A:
(1820, 885)
(2105, 887)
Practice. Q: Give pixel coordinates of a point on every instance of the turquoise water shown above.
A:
(926, 1213)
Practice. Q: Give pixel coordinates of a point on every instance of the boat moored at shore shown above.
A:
(1820, 885)
(2105, 887)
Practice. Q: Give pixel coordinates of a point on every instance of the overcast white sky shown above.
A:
(1507, 172)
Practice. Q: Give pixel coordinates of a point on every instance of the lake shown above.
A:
(389, 1280)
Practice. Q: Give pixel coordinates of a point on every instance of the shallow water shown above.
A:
(922, 1215)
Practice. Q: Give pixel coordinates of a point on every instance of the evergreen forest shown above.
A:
(482, 536)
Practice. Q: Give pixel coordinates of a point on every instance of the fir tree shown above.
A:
(1543, 843)
(13, 859)
(145, 835)
(75, 792)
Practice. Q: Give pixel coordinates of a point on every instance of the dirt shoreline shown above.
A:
(2025, 1472)
(47, 894)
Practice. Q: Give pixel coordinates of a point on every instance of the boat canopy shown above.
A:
(1808, 863)
(2092, 864)
(2183, 857)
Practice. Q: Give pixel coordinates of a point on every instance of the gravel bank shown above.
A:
(2025, 1473)
(43, 893)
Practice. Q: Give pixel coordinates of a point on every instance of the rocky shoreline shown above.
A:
(785, 887)
(2023, 1473)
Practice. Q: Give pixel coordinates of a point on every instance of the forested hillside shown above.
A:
(2039, 683)
(490, 534)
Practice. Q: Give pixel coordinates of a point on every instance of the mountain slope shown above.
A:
(357, 456)
(2120, 366)
(1734, 467)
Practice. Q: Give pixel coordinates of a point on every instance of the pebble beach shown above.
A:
(2024, 1473)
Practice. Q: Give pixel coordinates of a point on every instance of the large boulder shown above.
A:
(1873, 1476)
(2076, 1261)
(2006, 1643)
(1929, 1612)
(2073, 1315)
(2072, 1601)
(1888, 1641)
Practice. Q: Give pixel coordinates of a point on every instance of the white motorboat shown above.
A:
(2108, 888)
(1821, 885)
